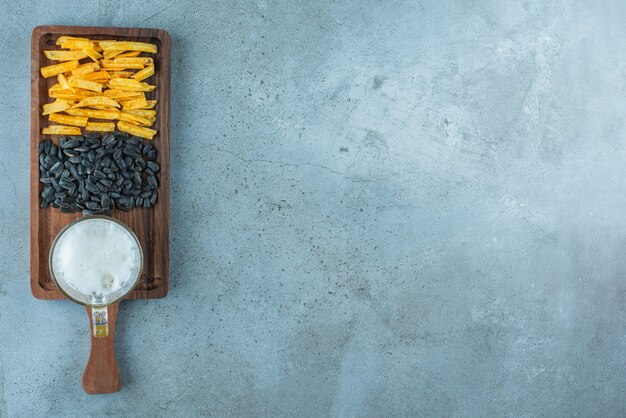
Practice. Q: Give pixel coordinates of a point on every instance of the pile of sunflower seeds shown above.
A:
(96, 175)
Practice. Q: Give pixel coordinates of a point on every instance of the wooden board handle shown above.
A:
(101, 374)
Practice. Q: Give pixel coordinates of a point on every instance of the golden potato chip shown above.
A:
(120, 74)
(100, 126)
(67, 119)
(98, 107)
(96, 114)
(128, 54)
(124, 95)
(128, 46)
(98, 76)
(59, 105)
(96, 101)
(135, 104)
(57, 92)
(62, 39)
(86, 84)
(134, 119)
(65, 55)
(64, 84)
(111, 53)
(53, 70)
(61, 130)
(143, 74)
(139, 131)
(92, 53)
(86, 68)
(111, 64)
(144, 113)
(129, 84)
(69, 42)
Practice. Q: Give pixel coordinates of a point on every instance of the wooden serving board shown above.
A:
(151, 225)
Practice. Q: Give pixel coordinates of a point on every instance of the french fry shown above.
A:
(98, 107)
(143, 74)
(112, 53)
(98, 76)
(96, 101)
(139, 131)
(53, 70)
(151, 104)
(134, 119)
(59, 105)
(64, 84)
(128, 46)
(69, 96)
(65, 55)
(92, 53)
(128, 54)
(135, 104)
(100, 126)
(96, 114)
(63, 39)
(138, 61)
(121, 95)
(111, 64)
(120, 74)
(67, 119)
(86, 68)
(69, 42)
(129, 84)
(86, 84)
(57, 92)
(148, 114)
(61, 130)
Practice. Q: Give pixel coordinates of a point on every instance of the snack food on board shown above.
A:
(97, 78)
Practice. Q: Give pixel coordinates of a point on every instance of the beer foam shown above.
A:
(96, 257)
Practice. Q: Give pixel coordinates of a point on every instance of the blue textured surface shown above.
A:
(379, 208)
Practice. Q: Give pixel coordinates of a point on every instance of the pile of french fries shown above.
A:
(107, 88)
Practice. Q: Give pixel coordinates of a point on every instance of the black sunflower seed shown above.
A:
(109, 138)
(153, 166)
(70, 144)
(152, 181)
(56, 167)
(91, 187)
(51, 159)
(105, 201)
(66, 184)
(99, 174)
(47, 192)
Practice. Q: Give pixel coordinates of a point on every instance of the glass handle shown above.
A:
(100, 318)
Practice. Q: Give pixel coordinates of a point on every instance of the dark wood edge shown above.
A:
(38, 31)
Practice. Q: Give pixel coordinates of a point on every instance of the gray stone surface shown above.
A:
(379, 208)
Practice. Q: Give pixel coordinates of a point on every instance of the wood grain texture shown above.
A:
(150, 225)
(101, 374)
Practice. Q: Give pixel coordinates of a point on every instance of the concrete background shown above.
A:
(379, 208)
